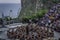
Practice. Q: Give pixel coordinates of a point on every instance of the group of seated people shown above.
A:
(51, 19)
(30, 32)
(37, 31)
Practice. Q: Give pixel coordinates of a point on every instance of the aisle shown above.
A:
(56, 35)
(3, 33)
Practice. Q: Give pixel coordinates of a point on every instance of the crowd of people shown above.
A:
(43, 28)
(52, 18)
(30, 32)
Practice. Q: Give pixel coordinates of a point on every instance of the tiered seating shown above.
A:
(50, 19)
(41, 30)
(30, 32)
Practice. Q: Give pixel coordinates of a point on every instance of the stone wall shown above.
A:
(29, 7)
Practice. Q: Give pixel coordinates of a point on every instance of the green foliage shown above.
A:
(49, 3)
(41, 13)
(55, 1)
(25, 19)
(0, 18)
(7, 18)
(28, 11)
(44, 1)
(38, 15)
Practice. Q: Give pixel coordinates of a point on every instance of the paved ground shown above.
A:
(56, 35)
